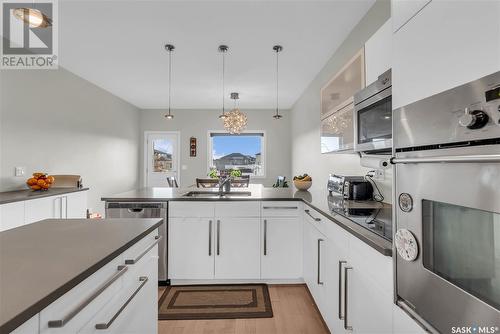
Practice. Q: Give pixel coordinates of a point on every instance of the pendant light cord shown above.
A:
(169, 78)
(277, 82)
(223, 83)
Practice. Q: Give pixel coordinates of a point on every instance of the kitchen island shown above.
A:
(51, 268)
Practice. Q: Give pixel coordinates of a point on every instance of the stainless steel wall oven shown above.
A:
(447, 156)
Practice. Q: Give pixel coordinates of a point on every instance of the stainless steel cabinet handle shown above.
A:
(218, 237)
(134, 261)
(341, 263)
(309, 213)
(60, 323)
(265, 236)
(319, 261)
(143, 280)
(210, 238)
(450, 159)
(346, 270)
(280, 207)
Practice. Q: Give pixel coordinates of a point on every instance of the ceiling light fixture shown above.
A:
(235, 120)
(223, 50)
(277, 49)
(169, 48)
(32, 17)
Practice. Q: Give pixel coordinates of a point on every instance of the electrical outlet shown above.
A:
(20, 171)
(379, 174)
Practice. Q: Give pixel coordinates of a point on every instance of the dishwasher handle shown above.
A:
(135, 210)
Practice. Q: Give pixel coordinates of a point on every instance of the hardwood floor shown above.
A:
(293, 308)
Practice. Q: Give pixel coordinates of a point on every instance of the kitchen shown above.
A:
(189, 149)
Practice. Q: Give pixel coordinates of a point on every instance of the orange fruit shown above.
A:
(36, 187)
(41, 182)
(37, 175)
(50, 179)
(31, 181)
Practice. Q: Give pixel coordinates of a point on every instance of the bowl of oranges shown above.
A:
(40, 181)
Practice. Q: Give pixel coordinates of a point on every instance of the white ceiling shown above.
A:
(119, 46)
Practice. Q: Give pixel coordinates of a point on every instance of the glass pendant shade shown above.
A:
(235, 121)
(33, 17)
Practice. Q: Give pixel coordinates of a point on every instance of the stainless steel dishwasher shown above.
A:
(146, 210)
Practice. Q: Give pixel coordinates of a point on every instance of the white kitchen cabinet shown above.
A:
(281, 253)
(449, 43)
(191, 248)
(76, 205)
(402, 323)
(11, 215)
(179, 209)
(404, 10)
(237, 248)
(378, 52)
(141, 290)
(45, 208)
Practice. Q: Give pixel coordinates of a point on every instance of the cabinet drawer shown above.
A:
(108, 280)
(315, 218)
(281, 209)
(136, 254)
(191, 209)
(237, 209)
(134, 308)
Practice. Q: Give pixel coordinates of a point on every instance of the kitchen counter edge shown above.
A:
(27, 194)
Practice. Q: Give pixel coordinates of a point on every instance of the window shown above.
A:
(244, 152)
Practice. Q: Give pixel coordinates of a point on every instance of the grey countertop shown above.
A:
(319, 200)
(27, 194)
(40, 262)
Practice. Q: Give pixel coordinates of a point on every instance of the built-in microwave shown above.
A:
(373, 116)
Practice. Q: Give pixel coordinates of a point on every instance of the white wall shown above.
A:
(56, 122)
(305, 114)
(196, 123)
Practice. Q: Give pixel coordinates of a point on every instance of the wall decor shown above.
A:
(192, 147)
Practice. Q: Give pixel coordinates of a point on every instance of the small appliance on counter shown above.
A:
(350, 187)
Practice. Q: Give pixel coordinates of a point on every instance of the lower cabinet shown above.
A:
(191, 251)
(281, 248)
(237, 248)
(345, 277)
(11, 215)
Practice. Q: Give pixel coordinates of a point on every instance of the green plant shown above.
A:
(235, 173)
(213, 173)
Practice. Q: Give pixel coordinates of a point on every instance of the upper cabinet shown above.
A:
(404, 10)
(337, 131)
(378, 52)
(447, 44)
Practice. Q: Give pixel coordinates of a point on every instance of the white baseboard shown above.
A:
(235, 281)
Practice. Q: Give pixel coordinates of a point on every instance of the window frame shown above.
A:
(262, 153)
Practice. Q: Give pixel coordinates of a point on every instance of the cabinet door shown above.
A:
(237, 248)
(315, 274)
(29, 327)
(403, 324)
(281, 247)
(11, 215)
(378, 52)
(369, 309)
(76, 205)
(403, 11)
(191, 248)
(44, 208)
(431, 57)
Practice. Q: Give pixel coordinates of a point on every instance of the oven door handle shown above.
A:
(453, 158)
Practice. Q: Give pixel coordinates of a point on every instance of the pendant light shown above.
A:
(223, 50)
(169, 48)
(235, 120)
(277, 49)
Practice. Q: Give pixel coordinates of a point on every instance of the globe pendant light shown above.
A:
(32, 17)
(169, 48)
(277, 49)
(223, 50)
(235, 120)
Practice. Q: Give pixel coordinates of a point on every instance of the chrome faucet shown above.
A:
(224, 186)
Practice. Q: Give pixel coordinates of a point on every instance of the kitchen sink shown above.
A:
(215, 194)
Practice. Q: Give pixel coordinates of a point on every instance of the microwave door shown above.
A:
(455, 219)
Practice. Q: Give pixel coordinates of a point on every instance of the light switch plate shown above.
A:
(20, 171)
